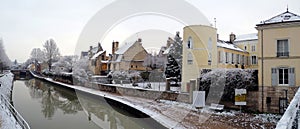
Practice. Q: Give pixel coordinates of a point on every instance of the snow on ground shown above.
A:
(7, 120)
(157, 86)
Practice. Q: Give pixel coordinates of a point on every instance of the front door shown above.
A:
(282, 105)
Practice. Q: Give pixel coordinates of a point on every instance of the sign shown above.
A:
(240, 96)
(199, 99)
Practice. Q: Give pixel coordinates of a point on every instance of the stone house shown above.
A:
(98, 62)
(128, 57)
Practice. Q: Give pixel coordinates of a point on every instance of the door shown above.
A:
(282, 105)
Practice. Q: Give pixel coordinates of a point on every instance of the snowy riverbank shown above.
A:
(173, 114)
(7, 120)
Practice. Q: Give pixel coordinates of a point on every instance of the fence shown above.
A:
(19, 119)
(290, 118)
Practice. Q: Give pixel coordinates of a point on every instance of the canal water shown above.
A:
(47, 106)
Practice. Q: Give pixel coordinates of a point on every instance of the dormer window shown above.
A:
(287, 17)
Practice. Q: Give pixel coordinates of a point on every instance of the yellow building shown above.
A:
(202, 51)
(248, 42)
(279, 60)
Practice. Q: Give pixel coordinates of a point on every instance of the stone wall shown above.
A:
(272, 96)
(144, 93)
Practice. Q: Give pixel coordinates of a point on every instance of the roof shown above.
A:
(284, 17)
(246, 37)
(124, 48)
(231, 46)
(97, 54)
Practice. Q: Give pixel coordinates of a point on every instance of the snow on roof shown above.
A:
(284, 17)
(223, 44)
(124, 48)
(119, 58)
(97, 54)
(246, 37)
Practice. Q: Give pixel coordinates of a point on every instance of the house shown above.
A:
(128, 57)
(203, 51)
(98, 62)
(248, 42)
(279, 60)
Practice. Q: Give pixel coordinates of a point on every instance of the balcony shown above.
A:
(283, 54)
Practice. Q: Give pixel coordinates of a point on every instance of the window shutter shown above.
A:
(292, 76)
(274, 77)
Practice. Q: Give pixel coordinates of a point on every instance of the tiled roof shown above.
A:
(284, 17)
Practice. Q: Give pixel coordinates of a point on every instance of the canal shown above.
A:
(48, 106)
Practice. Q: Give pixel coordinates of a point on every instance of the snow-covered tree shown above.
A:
(65, 62)
(51, 52)
(226, 80)
(81, 71)
(174, 59)
(37, 54)
(5, 62)
(125, 76)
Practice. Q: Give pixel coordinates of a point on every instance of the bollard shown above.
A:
(192, 88)
(167, 84)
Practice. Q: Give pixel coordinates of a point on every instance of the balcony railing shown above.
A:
(283, 54)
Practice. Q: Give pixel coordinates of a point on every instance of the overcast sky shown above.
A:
(27, 24)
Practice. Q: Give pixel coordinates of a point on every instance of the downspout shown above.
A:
(262, 69)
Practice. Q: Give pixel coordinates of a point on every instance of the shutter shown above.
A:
(274, 76)
(291, 76)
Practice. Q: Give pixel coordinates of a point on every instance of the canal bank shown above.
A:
(114, 101)
(9, 116)
(174, 114)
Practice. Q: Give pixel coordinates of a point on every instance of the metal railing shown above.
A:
(291, 117)
(283, 54)
(19, 119)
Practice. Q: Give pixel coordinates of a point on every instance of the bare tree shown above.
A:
(37, 54)
(51, 52)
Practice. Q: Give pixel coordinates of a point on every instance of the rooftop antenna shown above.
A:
(215, 22)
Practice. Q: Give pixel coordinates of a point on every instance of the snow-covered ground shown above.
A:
(7, 120)
(157, 86)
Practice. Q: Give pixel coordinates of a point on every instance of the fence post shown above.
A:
(167, 84)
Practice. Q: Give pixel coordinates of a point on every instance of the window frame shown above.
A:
(283, 53)
(285, 69)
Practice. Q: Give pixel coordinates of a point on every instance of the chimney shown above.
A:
(100, 47)
(91, 47)
(115, 46)
(232, 37)
(139, 40)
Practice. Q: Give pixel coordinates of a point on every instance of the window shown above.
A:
(242, 59)
(282, 48)
(226, 57)
(283, 76)
(237, 58)
(253, 48)
(246, 48)
(189, 58)
(253, 60)
(190, 43)
(220, 56)
(232, 58)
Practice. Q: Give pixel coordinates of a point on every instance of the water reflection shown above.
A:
(53, 98)
(59, 105)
